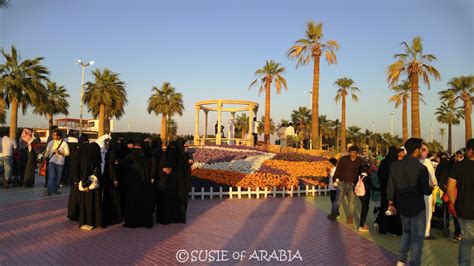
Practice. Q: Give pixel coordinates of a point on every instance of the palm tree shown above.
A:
(105, 97)
(167, 102)
(310, 49)
(242, 125)
(354, 135)
(54, 102)
(271, 72)
(261, 124)
(301, 115)
(171, 128)
(4, 3)
(324, 128)
(3, 114)
(336, 128)
(401, 96)
(345, 86)
(20, 84)
(283, 122)
(442, 133)
(462, 88)
(416, 65)
(448, 114)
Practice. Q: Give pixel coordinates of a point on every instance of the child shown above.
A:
(365, 198)
(332, 183)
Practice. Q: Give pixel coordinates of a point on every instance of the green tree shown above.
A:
(241, 125)
(415, 64)
(301, 115)
(346, 86)
(20, 84)
(270, 73)
(167, 102)
(4, 3)
(311, 48)
(105, 97)
(261, 124)
(462, 88)
(171, 128)
(448, 114)
(55, 102)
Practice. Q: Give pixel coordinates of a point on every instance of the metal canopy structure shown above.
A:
(232, 107)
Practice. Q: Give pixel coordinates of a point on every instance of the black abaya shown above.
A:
(90, 212)
(137, 191)
(73, 176)
(111, 205)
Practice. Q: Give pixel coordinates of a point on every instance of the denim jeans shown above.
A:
(6, 162)
(55, 172)
(412, 238)
(465, 246)
(342, 189)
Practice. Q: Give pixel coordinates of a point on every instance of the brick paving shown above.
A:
(38, 232)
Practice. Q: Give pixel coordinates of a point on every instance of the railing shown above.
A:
(248, 193)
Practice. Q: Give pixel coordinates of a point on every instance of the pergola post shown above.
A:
(206, 112)
(250, 136)
(196, 128)
(218, 135)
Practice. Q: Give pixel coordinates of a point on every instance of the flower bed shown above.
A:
(229, 166)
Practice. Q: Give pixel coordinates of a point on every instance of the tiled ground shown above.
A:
(35, 230)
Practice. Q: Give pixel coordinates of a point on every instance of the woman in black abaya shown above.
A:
(174, 183)
(74, 194)
(111, 206)
(387, 224)
(137, 189)
(90, 209)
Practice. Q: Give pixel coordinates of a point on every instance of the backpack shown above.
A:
(360, 186)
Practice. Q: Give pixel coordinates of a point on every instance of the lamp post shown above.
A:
(431, 132)
(83, 66)
(391, 123)
(373, 126)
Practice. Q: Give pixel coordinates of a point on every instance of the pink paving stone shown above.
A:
(38, 232)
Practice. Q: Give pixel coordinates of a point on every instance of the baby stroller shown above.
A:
(440, 218)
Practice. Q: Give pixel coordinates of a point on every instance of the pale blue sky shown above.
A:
(210, 49)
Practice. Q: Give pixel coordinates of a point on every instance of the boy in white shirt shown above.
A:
(56, 152)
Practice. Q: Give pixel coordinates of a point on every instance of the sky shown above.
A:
(209, 49)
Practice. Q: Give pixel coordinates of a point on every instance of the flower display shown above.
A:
(237, 166)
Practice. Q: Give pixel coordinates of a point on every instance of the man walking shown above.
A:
(347, 171)
(56, 151)
(462, 178)
(408, 183)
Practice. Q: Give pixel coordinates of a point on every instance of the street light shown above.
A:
(391, 123)
(83, 66)
(373, 126)
(431, 132)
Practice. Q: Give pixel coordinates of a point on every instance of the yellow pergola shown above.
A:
(218, 106)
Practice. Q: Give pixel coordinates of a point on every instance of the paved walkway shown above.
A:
(36, 231)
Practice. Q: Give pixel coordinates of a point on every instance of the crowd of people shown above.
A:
(408, 187)
(113, 182)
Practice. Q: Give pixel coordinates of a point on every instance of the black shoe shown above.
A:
(430, 237)
(57, 193)
(331, 217)
(47, 193)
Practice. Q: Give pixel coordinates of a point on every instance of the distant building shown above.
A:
(90, 127)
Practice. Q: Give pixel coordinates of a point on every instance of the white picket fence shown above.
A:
(248, 193)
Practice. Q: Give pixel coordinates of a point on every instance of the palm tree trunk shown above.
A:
(315, 105)
(13, 119)
(266, 126)
(467, 118)
(343, 124)
(415, 107)
(450, 138)
(405, 120)
(163, 128)
(50, 120)
(101, 120)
